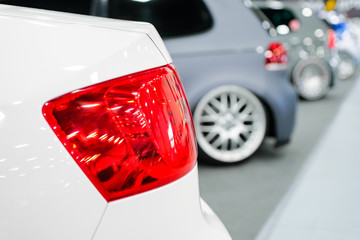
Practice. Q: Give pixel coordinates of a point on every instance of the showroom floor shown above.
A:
(324, 201)
(245, 195)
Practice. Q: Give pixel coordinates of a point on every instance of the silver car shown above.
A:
(234, 75)
(309, 42)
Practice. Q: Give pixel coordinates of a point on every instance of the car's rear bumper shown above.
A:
(174, 211)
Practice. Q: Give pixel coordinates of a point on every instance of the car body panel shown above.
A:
(159, 212)
(44, 194)
(272, 87)
(226, 55)
(90, 21)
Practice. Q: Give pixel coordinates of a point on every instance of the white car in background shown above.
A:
(96, 136)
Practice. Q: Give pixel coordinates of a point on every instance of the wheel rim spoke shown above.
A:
(217, 104)
(249, 127)
(209, 118)
(208, 129)
(234, 143)
(246, 112)
(233, 100)
(211, 136)
(224, 145)
(224, 100)
(218, 142)
(241, 103)
(209, 110)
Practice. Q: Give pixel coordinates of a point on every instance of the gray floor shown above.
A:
(323, 203)
(244, 195)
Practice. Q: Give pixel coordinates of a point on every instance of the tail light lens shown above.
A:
(331, 38)
(130, 134)
(276, 57)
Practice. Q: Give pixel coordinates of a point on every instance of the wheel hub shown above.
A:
(228, 121)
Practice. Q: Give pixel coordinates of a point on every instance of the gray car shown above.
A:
(309, 42)
(234, 76)
(236, 99)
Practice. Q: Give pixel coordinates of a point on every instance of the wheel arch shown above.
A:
(197, 94)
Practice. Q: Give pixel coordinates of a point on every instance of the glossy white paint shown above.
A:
(128, 26)
(43, 193)
(171, 212)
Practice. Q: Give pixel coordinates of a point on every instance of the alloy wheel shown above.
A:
(312, 79)
(230, 123)
(347, 66)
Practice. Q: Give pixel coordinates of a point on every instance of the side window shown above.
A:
(170, 17)
(71, 6)
(278, 16)
(283, 20)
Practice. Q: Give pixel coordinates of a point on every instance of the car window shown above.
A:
(71, 6)
(277, 21)
(171, 18)
(278, 16)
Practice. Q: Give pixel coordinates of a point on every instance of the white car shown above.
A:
(96, 136)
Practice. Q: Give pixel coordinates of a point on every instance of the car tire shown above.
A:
(346, 67)
(312, 79)
(230, 124)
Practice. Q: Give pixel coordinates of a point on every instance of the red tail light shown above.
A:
(276, 57)
(331, 38)
(130, 134)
